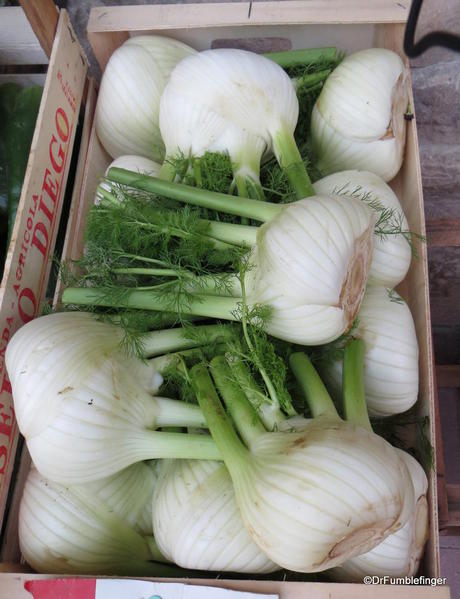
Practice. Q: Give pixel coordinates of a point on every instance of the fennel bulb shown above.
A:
(392, 252)
(166, 51)
(138, 164)
(400, 553)
(309, 263)
(310, 499)
(197, 523)
(90, 529)
(85, 408)
(391, 375)
(127, 110)
(358, 119)
(234, 100)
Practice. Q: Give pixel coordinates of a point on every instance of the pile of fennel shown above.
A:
(217, 447)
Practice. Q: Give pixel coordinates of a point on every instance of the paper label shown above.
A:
(82, 588)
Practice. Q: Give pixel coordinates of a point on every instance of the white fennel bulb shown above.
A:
(85, 408)
(137, 164)
(392, 252)
(127, 110)
(400, 553)
(166, 51)
(190, 130)
(391, 375)
(197, 523)
(358, 119)
(241, 96)
(90, 529)
(310, 265)
(309, 499)
(128, 494)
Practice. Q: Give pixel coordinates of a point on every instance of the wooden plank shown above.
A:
(28, 261)
(10, 551)
(332, 11)
(161, 17)
(408, 187)
(18, 43)
(43, 18)
(72, 248)
(448, 375)
(13, 587)
(105, 44)
(443, 505)
(443, 232)
(390, 36)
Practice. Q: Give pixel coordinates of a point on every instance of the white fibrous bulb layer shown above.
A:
(358, 120)
(166, 51)
(137, 164)
(83, 406)
(197, 523)
(391, 373)
(392, 252)
(311, 266)
(400, 553)
(87, 529)
(228, 100)
(313, 499)
(127, 111)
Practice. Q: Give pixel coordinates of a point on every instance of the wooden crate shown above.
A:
(358, 24)
(29, 258)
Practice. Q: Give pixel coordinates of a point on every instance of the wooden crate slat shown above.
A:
(43, 18)
(443, 505)
(141, 18)
(13, 586)
(29, 257)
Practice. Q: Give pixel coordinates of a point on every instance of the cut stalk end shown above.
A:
(354, 285)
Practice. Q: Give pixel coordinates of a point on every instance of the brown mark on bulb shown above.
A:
(354, 285)
(360, 540)
(399, 100)
(65, 390)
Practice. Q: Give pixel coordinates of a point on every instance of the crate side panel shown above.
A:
(10, 550)
(74, 227)
(332, 11)
(415, 290)
(131, 18)
(13, 586)
(348, 38)
(28, 260)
